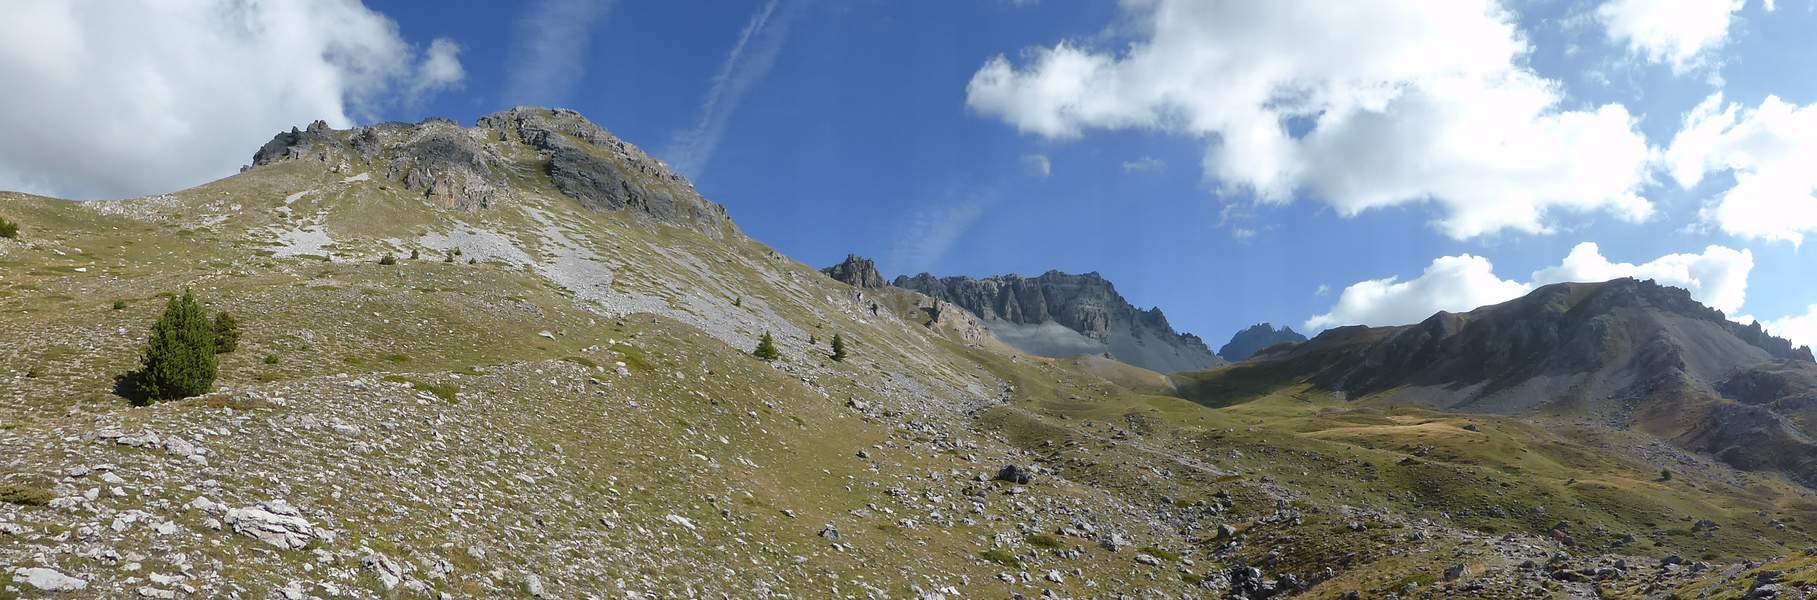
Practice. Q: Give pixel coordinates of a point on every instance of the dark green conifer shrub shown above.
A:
(179, 360)
(227, 333)
(838, 347)
(388, 259)
(8, 229)
(766, 348)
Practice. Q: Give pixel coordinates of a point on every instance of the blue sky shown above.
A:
(871, 127)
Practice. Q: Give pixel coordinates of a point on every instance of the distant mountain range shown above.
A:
(1256, 338)
(1061, 314)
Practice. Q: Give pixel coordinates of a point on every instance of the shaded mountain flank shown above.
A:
(1257, 338)
(1632, 354)
(1060, 314)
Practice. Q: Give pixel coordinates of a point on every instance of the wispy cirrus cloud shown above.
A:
(548, 50)
(748, 63)
(930, 233)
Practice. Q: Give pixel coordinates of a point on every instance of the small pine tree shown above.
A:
(457, 250)
(227, 333)
(449, 258)
(838, 347)
(766, 348)
(179, 360)
(119, 305)
(1665, 474)
(813, 340)
(388, 259)
(414, 254)
(739, 301)
(8, 229)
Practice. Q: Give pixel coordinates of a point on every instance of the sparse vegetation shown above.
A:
(25, 495)
(838, 347)
(8, 229)
(388, 259)
(34, 372)
(119, 305)
(227, 333)
(449, 258)
(414, 254)
(179, 359)
(1665, 474)
(739, 301)
(271, 359)
(766, 348)
(1000, 556)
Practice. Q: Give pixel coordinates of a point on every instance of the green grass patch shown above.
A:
(25, 495)
(633, 357)
(1161, 554)
(1042, 540)
(1000, 557)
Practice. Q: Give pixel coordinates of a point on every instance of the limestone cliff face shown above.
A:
(1061, 314)
(475, 168)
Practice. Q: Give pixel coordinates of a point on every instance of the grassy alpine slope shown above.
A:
(569, 409)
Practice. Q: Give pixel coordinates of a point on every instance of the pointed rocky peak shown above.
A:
(856, 271)
(1255, 338)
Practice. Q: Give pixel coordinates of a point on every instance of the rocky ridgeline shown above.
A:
(1087, 304)
(473, 168)
(1256, 338)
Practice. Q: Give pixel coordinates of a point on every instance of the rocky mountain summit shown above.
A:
(476, 168)
(1255, 338)
(857, 272)
(1059, 314)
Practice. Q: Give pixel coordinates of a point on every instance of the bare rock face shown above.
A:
(856, 272)
(1060, 314)
(1248, 342)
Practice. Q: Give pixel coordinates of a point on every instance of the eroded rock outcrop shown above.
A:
(856, 271)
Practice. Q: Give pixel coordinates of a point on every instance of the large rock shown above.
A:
(1060, 314)
(49, 580)
(275, 523)
(856, 272)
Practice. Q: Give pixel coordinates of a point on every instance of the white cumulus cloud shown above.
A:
(1395, 102)
(1717, 277)
(1681, 33)
(1769, 150)
(119, 99)
(1801, 329)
